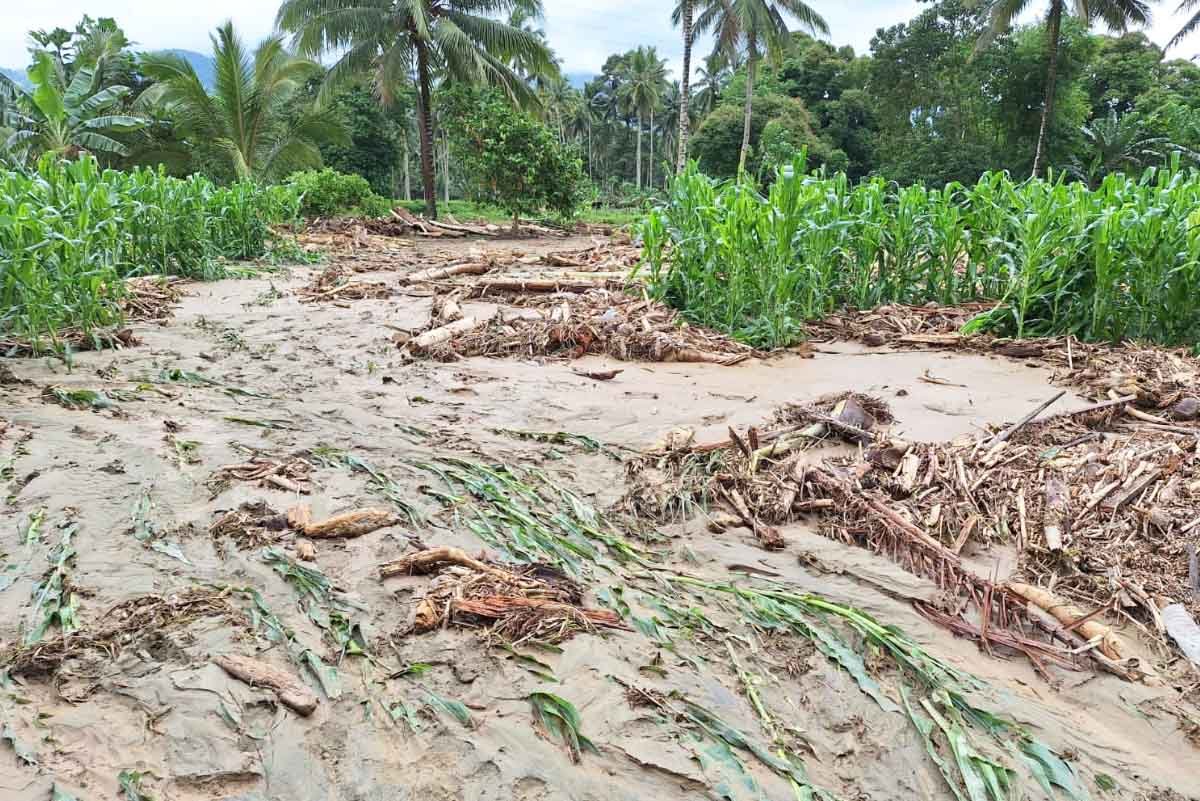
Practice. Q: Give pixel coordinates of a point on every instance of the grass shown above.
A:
(1118, 262)
(70, 233)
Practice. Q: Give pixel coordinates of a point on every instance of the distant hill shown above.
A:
(18, 76)
(202, 64)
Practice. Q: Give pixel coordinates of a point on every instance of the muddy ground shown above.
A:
(133, 485)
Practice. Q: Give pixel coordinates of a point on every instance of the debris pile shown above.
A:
(1100, 504)
(152, 298)
(292, 475)
(132, 623)
(334, 284)
(533, 602)
(574, 324)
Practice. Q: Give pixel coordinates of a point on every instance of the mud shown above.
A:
(334, 379)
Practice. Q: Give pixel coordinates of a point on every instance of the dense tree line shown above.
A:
(955, 91)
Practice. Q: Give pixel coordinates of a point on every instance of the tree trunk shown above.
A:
(407, 159)
(1053, 28)
(446, 167)
(681, 161)
(639, 151)
(650, 166)
(751, 67)
(425, 123)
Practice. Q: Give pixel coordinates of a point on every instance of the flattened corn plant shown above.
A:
(69, 232)
(529, 517)
(1118, 262)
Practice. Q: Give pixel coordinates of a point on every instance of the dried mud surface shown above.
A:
(136, 480)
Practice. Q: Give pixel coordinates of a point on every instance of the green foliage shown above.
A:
(1121, 261)
(513, 160)
(70, 232)
(375, 144)
(251, 124)
(65, 117)
(328, 193)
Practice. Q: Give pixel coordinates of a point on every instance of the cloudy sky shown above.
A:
(583, 32)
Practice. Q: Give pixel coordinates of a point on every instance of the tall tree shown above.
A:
(459, 40)
(249, 118)
(757, 28)
(683, 16)
(643, 79)
(1118, 15)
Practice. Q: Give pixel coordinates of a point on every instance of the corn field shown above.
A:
(1118, 262)
(69, 232)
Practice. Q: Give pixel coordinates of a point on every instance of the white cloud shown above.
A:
(583, 32)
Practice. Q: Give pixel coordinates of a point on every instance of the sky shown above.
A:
(582, 32)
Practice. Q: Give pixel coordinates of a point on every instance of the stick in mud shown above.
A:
(291, 691)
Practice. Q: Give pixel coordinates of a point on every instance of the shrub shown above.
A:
(328, 193)
(511, 159)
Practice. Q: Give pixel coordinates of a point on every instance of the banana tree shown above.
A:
(66, 120)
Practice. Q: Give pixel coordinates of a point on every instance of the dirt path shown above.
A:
(245, 369)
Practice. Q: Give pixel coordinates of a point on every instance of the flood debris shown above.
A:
(1058, 487)
(291, 475)
(130, 624)
(252, 525)
(595, 321)
(152, 299)
(514, 606)
(291, 691)
(335, 284)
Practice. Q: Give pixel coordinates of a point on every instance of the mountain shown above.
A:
(202, 64)
(17, 76)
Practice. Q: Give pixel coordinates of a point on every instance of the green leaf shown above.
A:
(130, 782)
(451, 707)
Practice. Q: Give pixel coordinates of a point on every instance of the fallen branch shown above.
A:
(292, 692)
(431, 559)
(1070, 616)
(438, 336)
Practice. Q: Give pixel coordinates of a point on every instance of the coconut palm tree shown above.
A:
(643, 79)
(711, 80)
(1188, 27)
(1120, 144)
(684, 16)
(251, 117)
(1118, 15)
(756, 28)
(64, 119)
(393, 40)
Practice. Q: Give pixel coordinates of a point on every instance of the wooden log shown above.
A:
(351, 524)
(290, 690)
(1069, 615)
(436, 273)
(445, 333)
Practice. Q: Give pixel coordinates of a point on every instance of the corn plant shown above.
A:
(1120, 261)
(70, 232)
